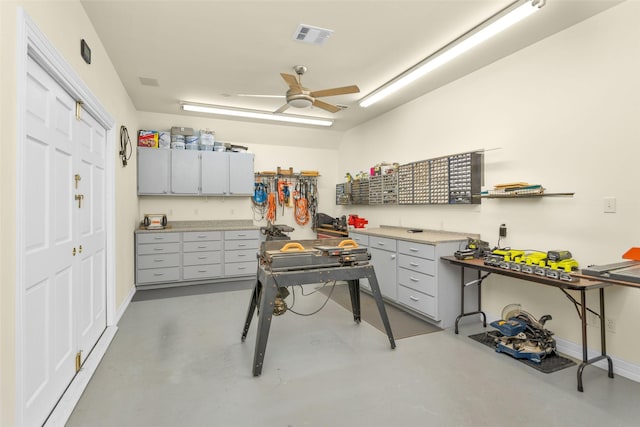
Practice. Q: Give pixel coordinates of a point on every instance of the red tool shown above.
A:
(357, 222)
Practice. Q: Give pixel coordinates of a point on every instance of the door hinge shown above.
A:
(78, 361)
(79, 105)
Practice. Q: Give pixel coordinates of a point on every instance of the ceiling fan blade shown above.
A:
(255, 95)
(325, 106)
(281, 109)
(291, 81)
(335, 91)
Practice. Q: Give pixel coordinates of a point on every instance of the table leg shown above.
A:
(603, 345)
(252, 308)
(354, 291)
(267, 299)
(375, 290)
(463, 286)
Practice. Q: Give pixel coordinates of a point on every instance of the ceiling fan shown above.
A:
(299, 96)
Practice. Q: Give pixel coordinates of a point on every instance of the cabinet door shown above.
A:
(185, 171)
(215, 172)
(384, 264)
(241, 174)
(154, 167)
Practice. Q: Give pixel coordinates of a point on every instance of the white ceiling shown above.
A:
(210, 51)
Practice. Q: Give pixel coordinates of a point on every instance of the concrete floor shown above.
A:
(179, 362)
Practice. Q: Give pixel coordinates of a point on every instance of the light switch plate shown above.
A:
(609, 205)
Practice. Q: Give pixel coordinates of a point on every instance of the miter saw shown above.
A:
(522, 335)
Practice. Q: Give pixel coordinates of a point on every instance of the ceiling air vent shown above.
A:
(312, 35)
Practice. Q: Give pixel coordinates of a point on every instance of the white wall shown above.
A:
(273, 146)
(64, 23)
(565, 114)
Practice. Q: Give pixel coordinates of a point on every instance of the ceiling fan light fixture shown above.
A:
(497, 23)
(254, 114)
(299, 101)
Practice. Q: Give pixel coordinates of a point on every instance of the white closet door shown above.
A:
(90, 141)
(54, 307)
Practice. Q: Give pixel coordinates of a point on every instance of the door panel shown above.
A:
(64, 304)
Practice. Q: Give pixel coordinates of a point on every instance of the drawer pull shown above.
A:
(414, 250)
(414, 299)
(202, 257)
(202, 271)
(158, 274)
(202, 247)
(381, 243)
(413, 264)
(158, 249)
(242, 245)
(413, 279)
(241, 235)
(201, 236)
(158, 260)
(159, 238)
(242, 268)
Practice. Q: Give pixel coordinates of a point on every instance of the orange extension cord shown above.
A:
(271, 207)
(302, 210)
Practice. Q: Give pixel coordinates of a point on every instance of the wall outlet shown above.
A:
(609, 205)
(611, 325)
(503, 230)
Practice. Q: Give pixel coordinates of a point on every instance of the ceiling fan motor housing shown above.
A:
(299, 100)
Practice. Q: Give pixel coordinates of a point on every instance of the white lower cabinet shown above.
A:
(412, 276)
(181, 258)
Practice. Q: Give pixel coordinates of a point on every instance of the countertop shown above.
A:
(214, 225)
(426, 236)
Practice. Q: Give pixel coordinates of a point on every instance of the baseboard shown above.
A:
(124, 305)
(70, 398)
(569, 348)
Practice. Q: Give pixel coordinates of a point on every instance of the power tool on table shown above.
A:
(475, 248)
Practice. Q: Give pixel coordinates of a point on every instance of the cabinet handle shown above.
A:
(242, 245)
(413, 279)
(414, 250)
(202, 257)
(241, 235)
(159, 238)
(393, 256)
(242, 268)
(414, 299)
(413, 264)
(158, 274)
(241, 255)
(202, 247)
(158, 249)
(158, 260)
(202, 271)
(201, 236)
(381, 243)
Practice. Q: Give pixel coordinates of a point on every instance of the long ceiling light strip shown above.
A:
(489, 28)
(251, 114)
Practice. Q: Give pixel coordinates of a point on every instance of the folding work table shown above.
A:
(581, 285)
(266, 288)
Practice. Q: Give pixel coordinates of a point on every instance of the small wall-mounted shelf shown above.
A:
(522, 196)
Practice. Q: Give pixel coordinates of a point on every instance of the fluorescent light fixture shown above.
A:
(489, 28)
(253, 114)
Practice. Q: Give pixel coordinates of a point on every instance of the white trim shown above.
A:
(72, 395)
(569, 348)
(124, 305)
(32, 42)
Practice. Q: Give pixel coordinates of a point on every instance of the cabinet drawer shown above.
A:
(417, 249)
(202, 272)
(417, 281)
(158, 261)
(360, 239)
(158, 237)
(382, 243)
(418, 301)
(420, 265)
(198, 236)
(231, 245)
(202, 246)
(240, 256)
(201, 258)
(159, 275)
(241, 268)
(242, 235)
(159, 248)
